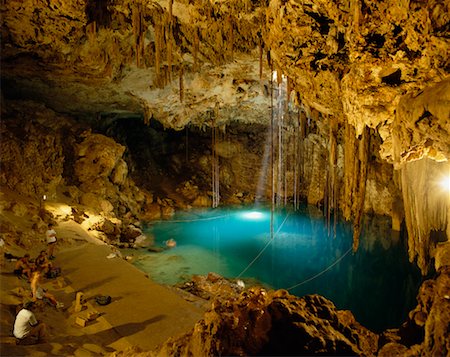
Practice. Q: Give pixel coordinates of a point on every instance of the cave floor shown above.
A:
(141, 313)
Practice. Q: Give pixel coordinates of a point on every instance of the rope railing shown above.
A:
(265, 247)
(190, 220)
(322, 272)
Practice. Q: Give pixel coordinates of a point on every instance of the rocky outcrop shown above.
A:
(426, 331)
(49, 159)
(254, 322)
(358, 60)
(260, 322)
(28, 148)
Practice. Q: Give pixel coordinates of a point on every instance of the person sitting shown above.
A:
(42, 263)
(27, 330)
(24, 267)
(39, 293)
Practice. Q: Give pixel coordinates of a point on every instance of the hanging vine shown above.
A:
(215, 169)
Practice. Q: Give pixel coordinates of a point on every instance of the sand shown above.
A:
(141, 314)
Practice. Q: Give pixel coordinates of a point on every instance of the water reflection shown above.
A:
(377, 283)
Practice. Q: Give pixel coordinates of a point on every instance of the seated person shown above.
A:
(24, 267)
(39, 293)
(26, 328)
(42, 263)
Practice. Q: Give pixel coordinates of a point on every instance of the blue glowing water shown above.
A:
(377, 283)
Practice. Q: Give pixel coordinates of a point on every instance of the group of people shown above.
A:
(25, 266)
(26, 327)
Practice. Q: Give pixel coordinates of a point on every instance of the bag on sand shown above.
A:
(103, 299)
(54, 273)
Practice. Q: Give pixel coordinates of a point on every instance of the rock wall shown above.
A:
(380, 67)
(28, 147)
(48, 158)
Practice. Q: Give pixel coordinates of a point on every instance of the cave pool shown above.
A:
(377, 283)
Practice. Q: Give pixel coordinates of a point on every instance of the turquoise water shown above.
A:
(377, 283)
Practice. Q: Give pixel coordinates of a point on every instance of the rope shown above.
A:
(265, 247)
(191, 220)
(322, 272)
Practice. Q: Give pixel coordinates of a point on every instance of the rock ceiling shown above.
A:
(381, 64)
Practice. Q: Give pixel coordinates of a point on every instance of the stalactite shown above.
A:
(208, 8)
(363, 156)
(136, 22)
(279, 76)
(299, 168)
(230, 36)
(158, 45)
(349, 173)
(289, 89)
(427, 207)
(91, 31)
(356, 15)
(355, 174)
(331, 175)
(196, 46)
(170, 41)
(261, 52)
(181, 83)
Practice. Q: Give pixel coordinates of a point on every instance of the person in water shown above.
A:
(171, 243)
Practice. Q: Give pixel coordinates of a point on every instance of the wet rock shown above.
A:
(111, 230)
(427, 329)
(259, 322)
(129, 233)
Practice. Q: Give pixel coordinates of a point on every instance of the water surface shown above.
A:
(301, 253)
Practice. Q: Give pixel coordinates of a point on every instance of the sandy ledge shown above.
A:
(142, 313)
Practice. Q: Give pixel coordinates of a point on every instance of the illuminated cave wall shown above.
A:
(369, 81)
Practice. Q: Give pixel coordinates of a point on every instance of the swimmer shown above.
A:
(171, 243)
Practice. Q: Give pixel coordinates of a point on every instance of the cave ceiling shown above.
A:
(381, 64)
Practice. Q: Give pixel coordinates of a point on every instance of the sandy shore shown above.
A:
(142, 313)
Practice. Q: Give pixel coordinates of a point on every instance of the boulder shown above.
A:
(120, 173)
(260, 322)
